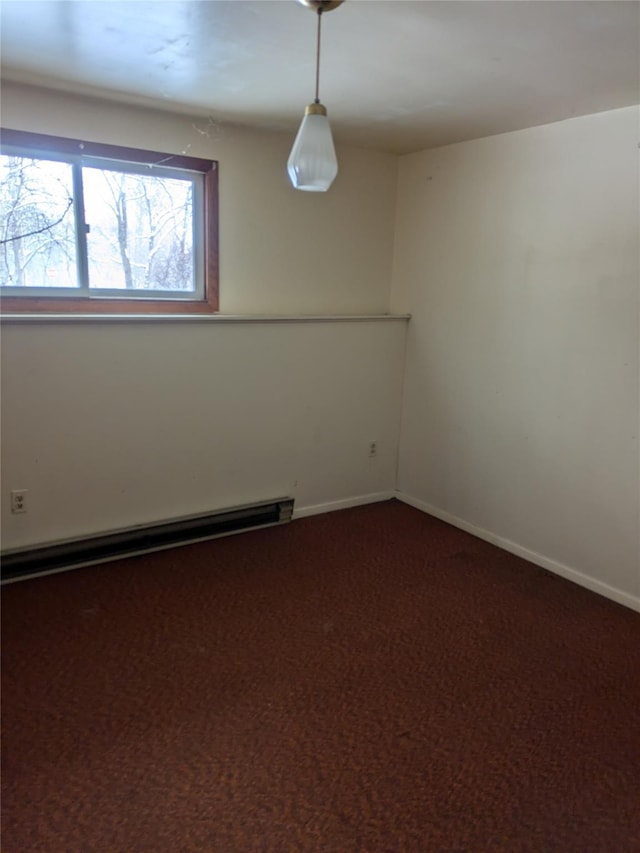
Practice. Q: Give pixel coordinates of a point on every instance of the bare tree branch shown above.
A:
(47, 227)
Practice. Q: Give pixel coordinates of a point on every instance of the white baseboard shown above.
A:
(346, 503)
(617, 595)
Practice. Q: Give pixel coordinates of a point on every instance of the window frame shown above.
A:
(100, 304)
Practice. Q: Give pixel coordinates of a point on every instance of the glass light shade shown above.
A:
(313, 164)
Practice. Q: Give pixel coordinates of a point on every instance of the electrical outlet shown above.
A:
(373, 448)
(19, 500)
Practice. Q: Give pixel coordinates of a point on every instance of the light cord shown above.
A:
(317, 100)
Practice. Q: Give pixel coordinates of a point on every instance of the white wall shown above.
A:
(518, 258)
(113, 424)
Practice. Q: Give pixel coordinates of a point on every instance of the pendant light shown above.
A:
(312, 164)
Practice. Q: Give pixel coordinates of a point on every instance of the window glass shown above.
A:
(140, 231)
(37, 223)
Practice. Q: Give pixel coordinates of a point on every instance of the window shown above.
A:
(94, 228)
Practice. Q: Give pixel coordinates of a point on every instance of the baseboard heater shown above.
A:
(57, 556)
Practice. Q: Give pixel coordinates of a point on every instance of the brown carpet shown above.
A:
(369, 680)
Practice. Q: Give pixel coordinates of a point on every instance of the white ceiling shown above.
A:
(399, 75)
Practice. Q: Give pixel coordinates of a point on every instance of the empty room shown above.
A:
(320, 405)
